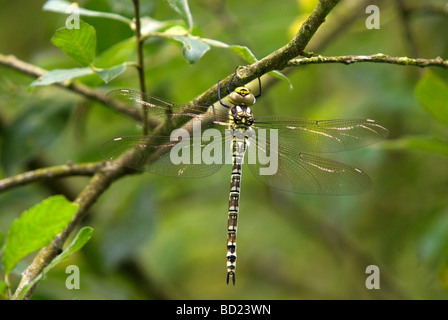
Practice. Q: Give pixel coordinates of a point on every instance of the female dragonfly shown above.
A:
(276, 147)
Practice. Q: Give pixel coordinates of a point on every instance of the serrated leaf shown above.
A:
(193, 49)
(67, 7)
(110, 73)
(81, 238)
(61, 75)
(181, 7)
(79, 44)
(36, 228)
(432, 93)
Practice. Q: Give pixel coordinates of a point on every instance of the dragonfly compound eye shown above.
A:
(242, 96)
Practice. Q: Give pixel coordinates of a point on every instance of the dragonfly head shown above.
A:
(242, 96)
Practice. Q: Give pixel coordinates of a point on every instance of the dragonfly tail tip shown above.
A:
(231, 274)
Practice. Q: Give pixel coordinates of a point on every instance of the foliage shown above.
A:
(164, 238)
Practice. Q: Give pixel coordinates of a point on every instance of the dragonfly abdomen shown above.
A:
(238, 151)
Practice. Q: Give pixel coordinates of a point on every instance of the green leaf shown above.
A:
(61, 75)
(176, 30)
(181, 7)
(281, 76)
(149, 25)
(82, 237)
(433, 243)
(117, 54)
(110, 73)
(79, 44)
(193, 49)
(3, 287)
(67, 7)
(248, 55)
(36, 228)
(244, 52)
(433, 95)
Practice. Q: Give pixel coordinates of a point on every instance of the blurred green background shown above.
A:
(165, 238)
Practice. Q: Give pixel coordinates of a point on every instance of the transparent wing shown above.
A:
(291, 170)
(186, 157)
(323, 135)
(131, 104)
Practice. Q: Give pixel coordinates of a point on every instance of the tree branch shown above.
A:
(99, 183)
(12, 62)
(378, 58)
(140, 64)
(278, 60)
(85, 169)
(431, 8)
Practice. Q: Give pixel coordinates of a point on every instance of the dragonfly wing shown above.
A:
(303, 173)
(323, 135)
(132, 103)
(184, 157)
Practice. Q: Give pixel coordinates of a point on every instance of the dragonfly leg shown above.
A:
(231, 80)
(259, 88)
(219, 97)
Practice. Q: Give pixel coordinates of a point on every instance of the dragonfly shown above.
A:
(197, 140)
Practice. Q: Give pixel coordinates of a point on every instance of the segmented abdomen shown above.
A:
(239, 146)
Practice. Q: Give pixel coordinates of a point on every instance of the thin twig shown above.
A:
(99, 183)
(278, 60)
(84, 169)
(403, 14)
(12, 62)
(378, 58)
(140, 64)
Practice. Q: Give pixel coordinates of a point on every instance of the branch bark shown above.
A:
(378, 58)
(96, 186)
(85, 169)
(12, 62)
(277, 60)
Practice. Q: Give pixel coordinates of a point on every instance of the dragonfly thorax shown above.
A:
(241, 116)
(240, 113)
